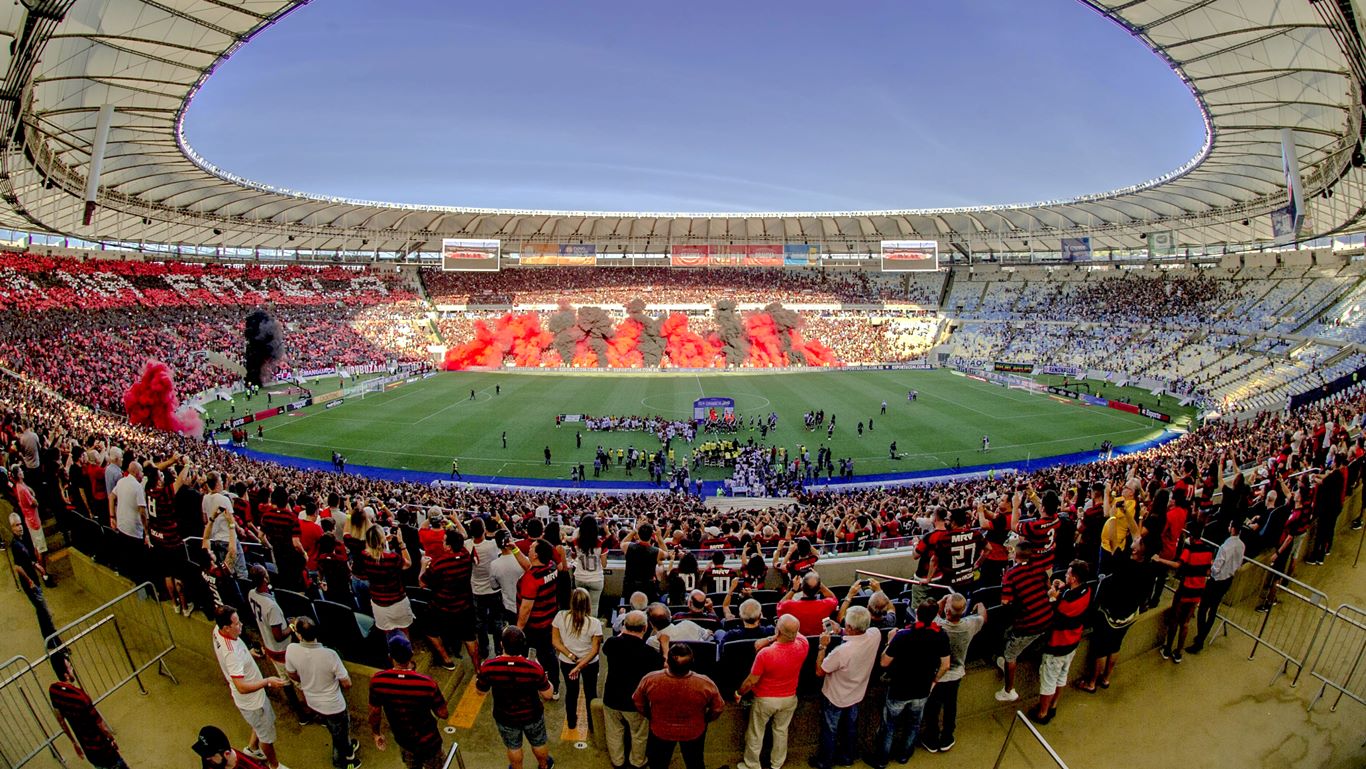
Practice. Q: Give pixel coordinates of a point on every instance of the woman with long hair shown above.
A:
(577, 637)
(587, 560)
(386, 559)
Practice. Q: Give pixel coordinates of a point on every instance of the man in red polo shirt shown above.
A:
(773, 679)
(76, 713)
(810, 601)
(536, 607)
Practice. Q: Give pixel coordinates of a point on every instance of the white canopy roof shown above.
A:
(1255, 67)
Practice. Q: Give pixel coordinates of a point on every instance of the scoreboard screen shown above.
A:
(459, 255)
(910, 255)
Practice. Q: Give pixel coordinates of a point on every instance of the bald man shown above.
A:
(773, 679)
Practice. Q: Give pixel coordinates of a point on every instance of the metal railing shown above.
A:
(1277, 611)
(1341, 660)
(1030, 752)
(454, 755)
(117, 642)
(30, 726)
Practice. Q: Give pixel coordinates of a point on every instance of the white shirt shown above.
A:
(481, 578)
(682, 630)
(236, 662)
(848, 667)
(320, 673)
(1228, 559)
(268, 615)
(580, 644)
(505, 573)
(129, 496)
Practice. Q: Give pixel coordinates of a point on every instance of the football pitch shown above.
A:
(423, 425)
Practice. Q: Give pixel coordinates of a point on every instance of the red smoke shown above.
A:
(528, 344)
(151, 402)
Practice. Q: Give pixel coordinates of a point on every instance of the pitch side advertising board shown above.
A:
(910, 255)
(460, 255)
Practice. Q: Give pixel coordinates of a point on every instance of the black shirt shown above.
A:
(916, 653)
(189, 512)
(628, 660)
(641, 560)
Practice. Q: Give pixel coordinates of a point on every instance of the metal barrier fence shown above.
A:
(108, 648)
(117, 642)
(454, 755)
(1030, 751)
(29, 724)
(1341, 661)
(1275, 610)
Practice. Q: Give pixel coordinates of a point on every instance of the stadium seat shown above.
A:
(736, 659)
(339, 628)
(704, 656)
(257, 553)
(295, 604)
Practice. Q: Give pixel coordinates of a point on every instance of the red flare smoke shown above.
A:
(152, 402)
(687, 348)
(520, 336)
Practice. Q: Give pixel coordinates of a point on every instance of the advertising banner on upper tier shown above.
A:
(1013, 368)
(753, 255)
(800, 254)
(1162, 243)
(689, 255)
(910, 255)
(559, 255)
(461, 255)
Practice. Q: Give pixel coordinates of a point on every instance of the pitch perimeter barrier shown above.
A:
(1341, 661)
(1276, 611)
(1031, 750)
(29, 724)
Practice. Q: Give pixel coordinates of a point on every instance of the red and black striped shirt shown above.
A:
(448, 577)
(386, 578)
(1025, 587)
(516, 683)
(798, 567)
(1195, 559)
(161, 520)
(80, 714)
(538, 585)
(1069, 613)
(410, 701)
(279, 524)
(1042, 534)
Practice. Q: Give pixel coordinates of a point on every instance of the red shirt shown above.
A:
(808, 613)
(309, 532)
(778, 666)
(538, 586)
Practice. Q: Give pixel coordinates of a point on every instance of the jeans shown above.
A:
(779, 711)
(1209, 607)
(660, 752)
(623, 724)
(943, 697)
(900, 715)
(839, 734)
(540, 640)
(488, 610)
(339, 726)
(589, 676)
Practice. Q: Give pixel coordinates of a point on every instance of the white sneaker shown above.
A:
(1007, 695)
(189, 609)
(256, 754)
(175, 607)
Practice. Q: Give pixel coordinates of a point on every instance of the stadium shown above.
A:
(407, 479)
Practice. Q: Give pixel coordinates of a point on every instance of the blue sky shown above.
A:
(752, 105)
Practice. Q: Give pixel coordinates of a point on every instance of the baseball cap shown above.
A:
(400, 648)
(211, 742)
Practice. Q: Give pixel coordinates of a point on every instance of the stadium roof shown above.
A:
(1254, 66)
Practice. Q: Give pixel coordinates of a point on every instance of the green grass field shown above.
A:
(422, 426)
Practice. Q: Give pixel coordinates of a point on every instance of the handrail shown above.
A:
(1005, 745)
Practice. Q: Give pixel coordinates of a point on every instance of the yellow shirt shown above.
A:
(1121, 527)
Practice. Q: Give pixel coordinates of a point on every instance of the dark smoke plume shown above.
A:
(651, 344)
(265, 347)
(734, 336)
(564, 324)
(785, 322)
(596, 327)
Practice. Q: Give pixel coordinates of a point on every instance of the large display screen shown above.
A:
(459, 255)
(910, 255)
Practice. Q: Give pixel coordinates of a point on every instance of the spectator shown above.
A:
(637, 602)
(915, 659)
(386, 559)
(519, 687)
(960, 630)
(274, 630)
(447, 575)
(577, 636)
(587, 561)
(810, 601)
(1119, 601)
(1071, 597)
(629, 659)
(678, 704)
(216, 752)
(667, 631)
(773, 679)
(1024, 588)
(643, 557)
(247, 685)
(1226, 563)
(752, 627)
(536, 607)
(80, 721)
(412, 702)
(1192, 567)
(323, 678)
(29, 574)
(488, 605)
(846, 672)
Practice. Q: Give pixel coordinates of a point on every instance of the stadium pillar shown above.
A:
(92, 180)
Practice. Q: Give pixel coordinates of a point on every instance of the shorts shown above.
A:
(456, 626)
(413, 760)
(262, 722)
(166, 561)
(1106, 640)
(38, 538)
(398, 616)
(1053, 672)
(512, 735)
(1018, 644)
